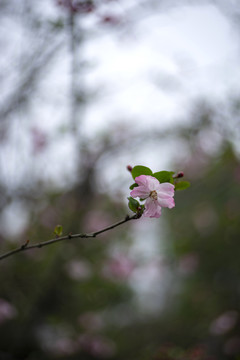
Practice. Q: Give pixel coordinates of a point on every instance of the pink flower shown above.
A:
(157, 195)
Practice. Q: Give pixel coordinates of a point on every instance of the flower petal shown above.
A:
(165, 195)
(140, 191)
(166, 202)
(166, 188)
(152, 209)
(149, 182)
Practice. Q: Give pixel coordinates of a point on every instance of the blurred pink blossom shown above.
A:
(224, 323)
(56, 340)
(78, 6)
(39, 140)
(97, 346)
(91, 321)
(7, 311)
(78, 269)
(63, 346)
(96, 220)
(119, 267)
(110, 19)
(157, 195)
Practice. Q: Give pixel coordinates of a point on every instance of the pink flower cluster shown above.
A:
(156, 195)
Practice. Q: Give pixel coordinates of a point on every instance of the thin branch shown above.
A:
(20, 94)
(39, 245)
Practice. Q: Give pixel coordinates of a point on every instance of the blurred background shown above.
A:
(88, 87)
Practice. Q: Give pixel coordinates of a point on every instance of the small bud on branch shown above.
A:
(179, 175)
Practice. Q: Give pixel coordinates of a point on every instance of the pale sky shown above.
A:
(153, 75)
(146, 75)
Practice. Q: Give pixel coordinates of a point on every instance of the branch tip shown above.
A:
(25, 244)
(178, 175)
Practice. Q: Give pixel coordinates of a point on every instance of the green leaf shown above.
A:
(133, 186)
(58, 230)
(140, 170)
(164, 176)
(133, 204)
(182, 185)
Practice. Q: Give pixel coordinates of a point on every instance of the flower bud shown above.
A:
(129, 168)
(180, 174)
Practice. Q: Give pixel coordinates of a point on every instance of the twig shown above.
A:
(39, 245)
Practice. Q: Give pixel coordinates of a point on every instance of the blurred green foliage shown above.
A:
(204, 252)
(55, 301)
(73, 299)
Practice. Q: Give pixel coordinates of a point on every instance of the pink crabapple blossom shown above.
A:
(157, 195)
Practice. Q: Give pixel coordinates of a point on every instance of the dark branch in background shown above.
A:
(73, 87)
(21, 93)
(39, 245)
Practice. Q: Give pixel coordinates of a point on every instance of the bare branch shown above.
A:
(39, 245)
(21, 93)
